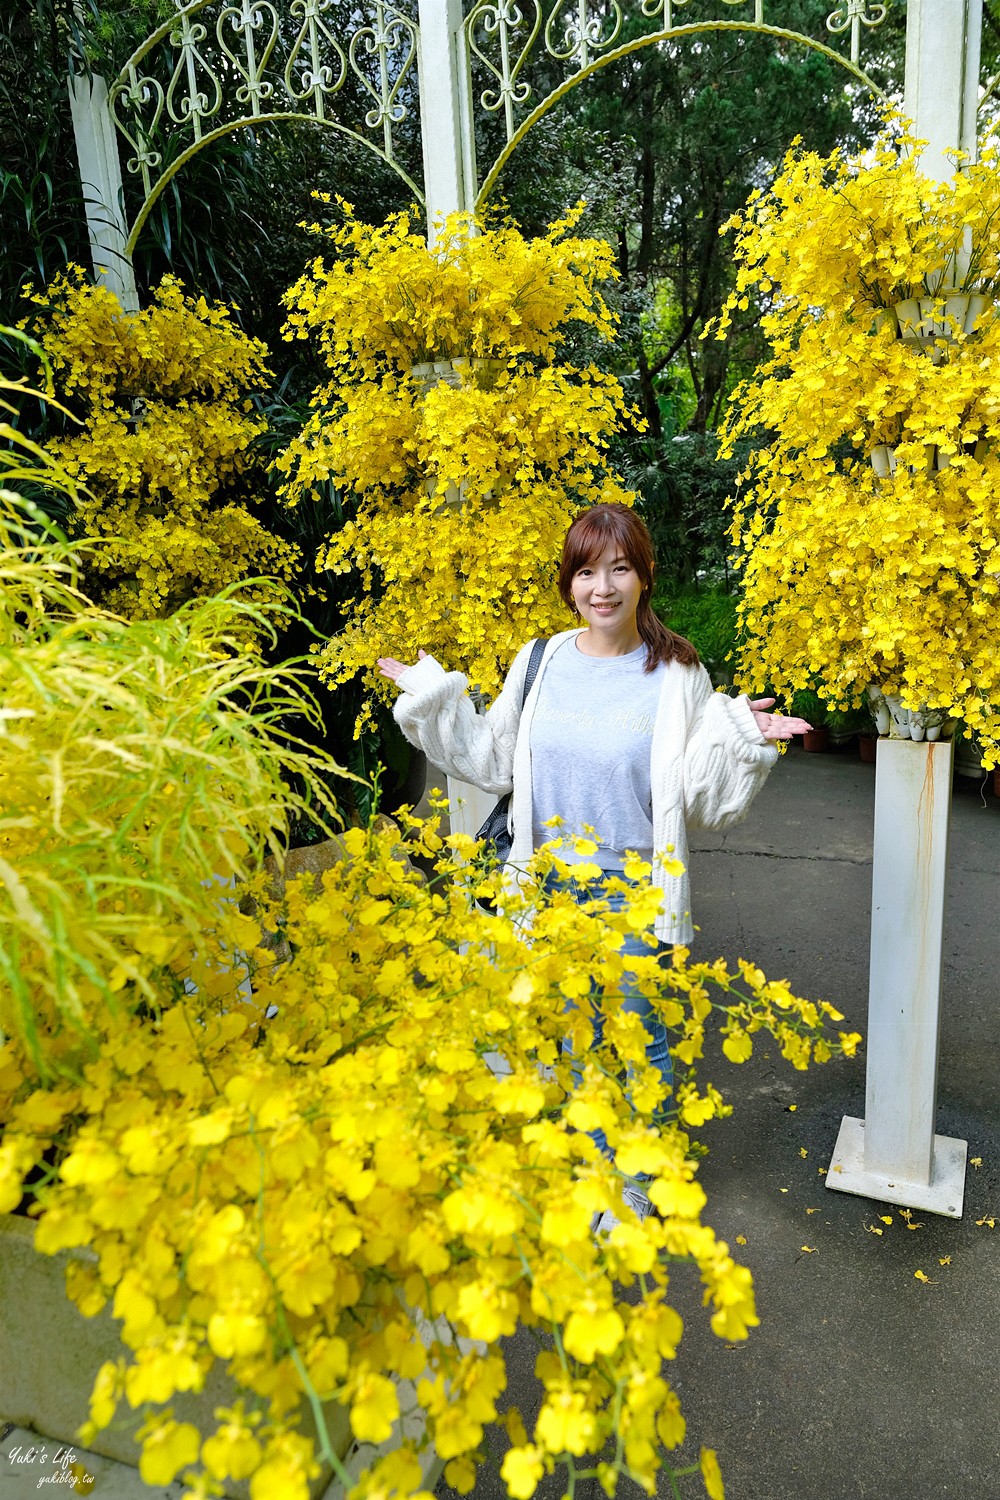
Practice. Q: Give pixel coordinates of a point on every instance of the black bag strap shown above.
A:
(534, 662)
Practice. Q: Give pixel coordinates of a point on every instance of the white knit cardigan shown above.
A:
(707, 763)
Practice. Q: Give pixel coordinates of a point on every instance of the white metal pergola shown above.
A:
(220, 65)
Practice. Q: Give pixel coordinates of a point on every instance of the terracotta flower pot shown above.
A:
(866, 748)
(816, 739)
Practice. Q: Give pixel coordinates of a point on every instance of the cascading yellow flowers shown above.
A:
(163, 459)
(854, 577)
(463, 480)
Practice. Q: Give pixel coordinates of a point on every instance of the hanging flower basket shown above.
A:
(895, 722)
(931, 323)
(461, 369)
(431, 373)
(884, 462)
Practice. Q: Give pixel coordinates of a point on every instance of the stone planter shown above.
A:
(51, 1354)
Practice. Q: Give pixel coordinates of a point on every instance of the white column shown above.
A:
(443, 87)
(941, 90)
(101, 177)
(445, 122)
(894, 1153)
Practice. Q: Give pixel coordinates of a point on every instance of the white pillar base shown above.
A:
(944, 1194)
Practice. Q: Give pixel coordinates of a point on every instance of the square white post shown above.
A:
(443, 80)
(893, 1154)
(941, 89)
(449, 158)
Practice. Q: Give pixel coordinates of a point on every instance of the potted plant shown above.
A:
(807, 704)
(846, 724)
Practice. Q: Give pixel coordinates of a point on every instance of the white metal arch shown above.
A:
(374, 73)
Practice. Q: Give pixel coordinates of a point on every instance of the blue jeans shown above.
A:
(658, 1046)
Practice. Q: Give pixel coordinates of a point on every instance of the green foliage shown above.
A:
(141, 760)
(42, 223)
(845, 722)
(809, 704)
(684, 489)
(707, 617)
(708, 121)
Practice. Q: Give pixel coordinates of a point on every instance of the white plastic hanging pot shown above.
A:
(978, 303)
(956, 308)
(910, 321)
(883, 461)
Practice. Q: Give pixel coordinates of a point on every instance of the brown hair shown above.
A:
(587, 538)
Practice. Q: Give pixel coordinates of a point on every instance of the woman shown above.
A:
(621, 732)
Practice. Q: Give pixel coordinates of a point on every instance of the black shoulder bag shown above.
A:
(496, 829)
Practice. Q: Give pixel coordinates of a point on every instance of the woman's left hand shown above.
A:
(775, 726)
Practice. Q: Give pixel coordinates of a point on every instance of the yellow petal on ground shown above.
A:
(711, 1474)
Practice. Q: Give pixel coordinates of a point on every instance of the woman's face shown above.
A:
(606, 590)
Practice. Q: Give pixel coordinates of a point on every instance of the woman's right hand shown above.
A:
(393, 669)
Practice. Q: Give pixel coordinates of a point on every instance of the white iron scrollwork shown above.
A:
(245, 21)
(390, 45)
(586, 29)
(219, 64)
(317, 64)
(186, 100)
(514, 27)
(855, 14)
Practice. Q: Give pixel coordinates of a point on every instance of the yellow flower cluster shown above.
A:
(339, 1198)
(869, 523)
(165, 454)
(488, 293)
(465, 474)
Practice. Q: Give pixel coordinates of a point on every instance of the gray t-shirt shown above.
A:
(591, 737)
